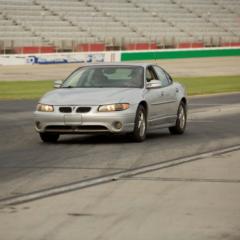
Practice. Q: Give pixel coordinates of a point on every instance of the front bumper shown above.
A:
(91, 122)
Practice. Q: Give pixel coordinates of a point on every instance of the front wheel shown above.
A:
(181, 121)
(49, 137)
(140, 127)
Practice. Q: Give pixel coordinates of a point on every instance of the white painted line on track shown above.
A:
(100, 180)
(213, 112)
(209, 104)
(201, 121)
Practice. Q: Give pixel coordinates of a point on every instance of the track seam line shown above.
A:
(197, 180)
(116, 176)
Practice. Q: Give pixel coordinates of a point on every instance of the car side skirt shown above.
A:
(166, 121)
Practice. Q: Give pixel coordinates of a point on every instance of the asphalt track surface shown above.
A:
(28, 165)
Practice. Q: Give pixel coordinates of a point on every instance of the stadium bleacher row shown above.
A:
(82, 25)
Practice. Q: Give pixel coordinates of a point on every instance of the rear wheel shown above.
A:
(140, 127)
(49, 137)
(181, 121)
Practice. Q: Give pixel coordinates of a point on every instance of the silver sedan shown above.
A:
(112, 98)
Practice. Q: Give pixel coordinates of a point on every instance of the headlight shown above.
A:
(44, 108)
(113, 107)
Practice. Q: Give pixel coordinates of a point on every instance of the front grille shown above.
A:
(72, 129)
(65, 109)
(83, 109)
(70, 109)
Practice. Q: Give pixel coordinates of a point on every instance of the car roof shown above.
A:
(118, 64)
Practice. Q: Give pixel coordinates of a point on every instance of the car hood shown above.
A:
(91, 96)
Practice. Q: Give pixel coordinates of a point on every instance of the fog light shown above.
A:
(117, 125)
(38, 125)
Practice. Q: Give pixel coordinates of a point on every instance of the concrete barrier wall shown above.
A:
(60, 58)
(115, 56)
(179, 53)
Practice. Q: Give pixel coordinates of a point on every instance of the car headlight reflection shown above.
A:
(113, 107)
(44, 108)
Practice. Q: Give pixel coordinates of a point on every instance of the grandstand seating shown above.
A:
(119, 24)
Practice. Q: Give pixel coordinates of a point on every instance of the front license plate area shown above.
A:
(70, 119)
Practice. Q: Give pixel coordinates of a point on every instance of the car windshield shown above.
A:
(106, 77)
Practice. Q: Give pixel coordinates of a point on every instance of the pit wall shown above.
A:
(116, 56)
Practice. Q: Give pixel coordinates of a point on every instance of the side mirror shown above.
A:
(154, 84)
(58, 83)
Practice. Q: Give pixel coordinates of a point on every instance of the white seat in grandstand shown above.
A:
(136, 39)
(55, 28)
(37, 18)
(118, 21)
(16, 34)
(9, 28)
(21, 41)
(64, 43)
(19, 7)
(101, 24)
(65, 34)
(79, 19)
(38, 23)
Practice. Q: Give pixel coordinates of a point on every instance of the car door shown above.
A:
(168, 92)
(156, 100)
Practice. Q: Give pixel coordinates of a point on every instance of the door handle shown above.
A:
(177, 90)
(162, 94)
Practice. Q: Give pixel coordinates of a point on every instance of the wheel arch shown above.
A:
(184, 101)
(145, 105)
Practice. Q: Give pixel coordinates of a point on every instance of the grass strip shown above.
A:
(210, 85)
(14, 90)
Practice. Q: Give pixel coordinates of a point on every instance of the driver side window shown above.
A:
(150, 74)
(162, 76)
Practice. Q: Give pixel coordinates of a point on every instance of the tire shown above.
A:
(181, 121)
(140, 126)
(49, 137)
